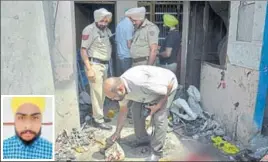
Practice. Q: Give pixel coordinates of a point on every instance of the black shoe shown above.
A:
(153, 157)
(107, 120)
(103, 126)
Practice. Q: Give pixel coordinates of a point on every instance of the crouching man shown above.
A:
(152, 89)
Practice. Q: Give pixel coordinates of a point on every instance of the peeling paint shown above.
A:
(231, 103)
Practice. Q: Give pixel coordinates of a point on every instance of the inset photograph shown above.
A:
(27, 127)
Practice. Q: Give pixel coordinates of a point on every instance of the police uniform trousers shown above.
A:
(97, 92)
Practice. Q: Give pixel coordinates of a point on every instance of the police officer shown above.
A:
(169, 50)
(144, 44)
(151, 87)
(145, 40)
(96, 53)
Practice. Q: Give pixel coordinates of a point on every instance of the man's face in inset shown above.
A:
(28, 120)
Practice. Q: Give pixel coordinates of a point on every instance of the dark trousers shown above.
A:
(124, 64)
(159, 123)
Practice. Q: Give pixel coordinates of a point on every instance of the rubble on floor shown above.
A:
(189, 119)
(69, 143)
(114, 153)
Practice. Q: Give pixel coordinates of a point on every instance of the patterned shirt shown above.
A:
(14, 148)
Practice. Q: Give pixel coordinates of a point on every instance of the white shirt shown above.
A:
(146, 84)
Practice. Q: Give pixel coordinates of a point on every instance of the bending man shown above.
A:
(151, 87)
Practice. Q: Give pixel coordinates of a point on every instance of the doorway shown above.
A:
(208, 32)
(84, 12)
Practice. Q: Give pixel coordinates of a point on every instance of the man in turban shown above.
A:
(144, 43)
(171, 47)
(27, 143)
(145, 40)
(96, 52)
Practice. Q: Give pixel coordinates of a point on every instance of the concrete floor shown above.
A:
(176, 148)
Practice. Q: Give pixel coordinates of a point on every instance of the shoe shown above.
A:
(153, 157)
(107, 120)
(103, 126)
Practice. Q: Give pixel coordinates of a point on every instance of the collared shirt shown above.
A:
(146, 35)
(97, 42)
(14, 148)
(124, 33)
(146, 84)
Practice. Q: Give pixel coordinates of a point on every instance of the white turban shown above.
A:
(101, 13)
(137, 13)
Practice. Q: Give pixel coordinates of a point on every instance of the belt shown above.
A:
(166, 63)
(139, 59)
(98, 60)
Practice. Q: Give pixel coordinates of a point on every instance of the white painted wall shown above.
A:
(246, 53)
(36, 59)
(241, 76)
(63, 57)
(121, 6)
(25, 59)
(8, 116)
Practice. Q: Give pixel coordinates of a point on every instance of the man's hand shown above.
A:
(91, 75)
(115, 137)
(153, 108)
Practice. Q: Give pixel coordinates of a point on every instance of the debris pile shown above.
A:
(257, 149)
(68, 144)
(188, 118)
(114, 153)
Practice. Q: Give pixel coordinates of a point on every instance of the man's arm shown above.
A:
(129, 43)
(169, 45)
(164, 98)
(85, 44)
(129, 34)
(153, 53)
(121, 118)
(166, 53)
(85, 58)
(153, 34)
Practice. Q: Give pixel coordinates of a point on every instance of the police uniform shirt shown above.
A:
(97, 42)
(143, 38)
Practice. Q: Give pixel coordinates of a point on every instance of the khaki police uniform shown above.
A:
(99, 50)
(147, 84)
(146, 35)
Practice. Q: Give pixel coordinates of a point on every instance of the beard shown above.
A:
(27, 143)
(101, 27)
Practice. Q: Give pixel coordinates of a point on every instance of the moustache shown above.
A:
(28, 131)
